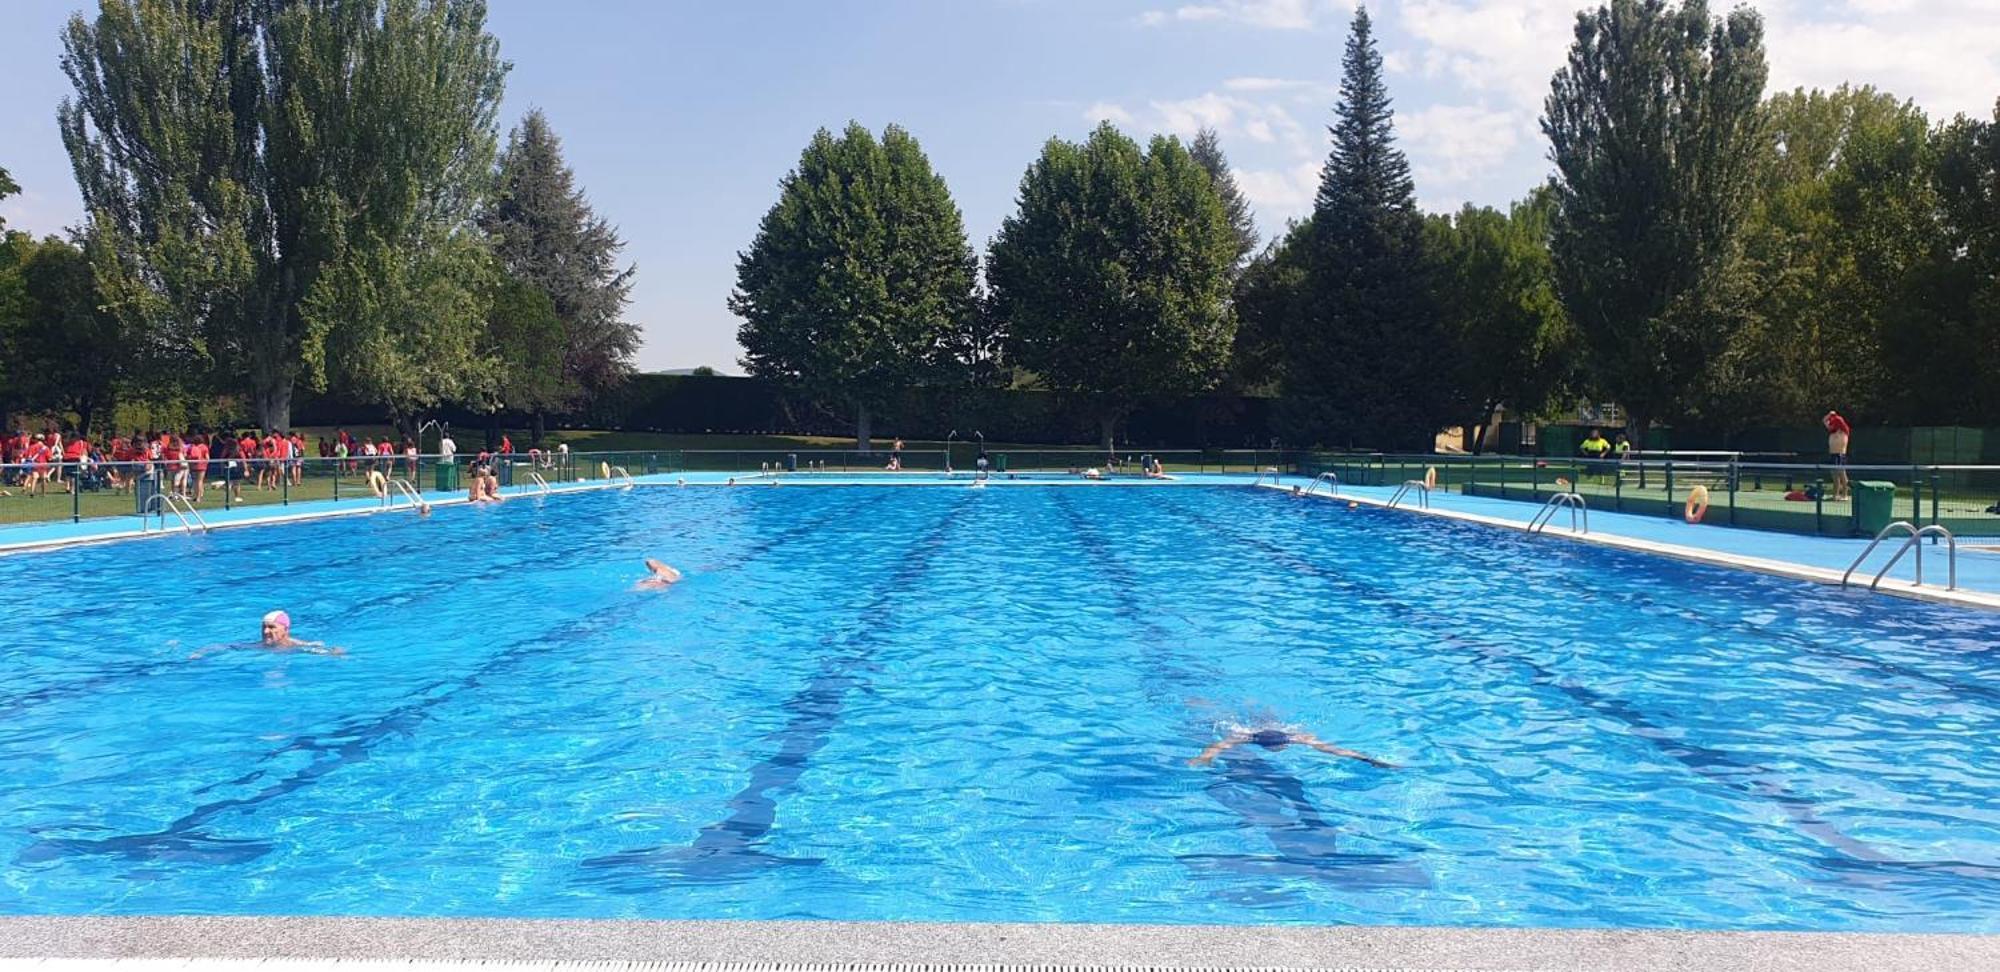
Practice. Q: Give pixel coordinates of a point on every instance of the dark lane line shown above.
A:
(1849, 854)
(1263, 796)
(730, 850)
(349, 743)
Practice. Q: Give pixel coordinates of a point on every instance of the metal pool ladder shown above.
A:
(540, 483)
(1575, 503)
(1423, 493)
(619, 471)
(1916, 536)
(182, 508)
(1331, 480)
(1277, 478)
(406, 489)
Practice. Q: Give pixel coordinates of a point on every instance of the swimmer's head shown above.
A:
(277, 627)
(1354, 506)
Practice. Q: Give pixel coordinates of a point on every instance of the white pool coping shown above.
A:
(1762, 565)
(824, 946)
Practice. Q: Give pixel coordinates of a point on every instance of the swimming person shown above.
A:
(1275, 739)
(659, 575)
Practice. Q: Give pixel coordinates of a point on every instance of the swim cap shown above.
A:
(279, 618)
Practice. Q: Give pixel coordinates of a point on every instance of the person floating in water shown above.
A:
(276, 636)
(1275, 739)
(659, 575)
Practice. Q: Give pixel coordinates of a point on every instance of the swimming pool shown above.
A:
(967, 704)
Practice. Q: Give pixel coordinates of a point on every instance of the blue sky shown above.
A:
(680, 118)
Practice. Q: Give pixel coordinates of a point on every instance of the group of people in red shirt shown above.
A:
(187, 462)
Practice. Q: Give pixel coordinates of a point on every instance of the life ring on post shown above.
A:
(1697, 504)
(1431, 478)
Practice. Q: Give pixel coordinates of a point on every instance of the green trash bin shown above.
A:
(1000, 461)
(447, 478)
(1874, 506)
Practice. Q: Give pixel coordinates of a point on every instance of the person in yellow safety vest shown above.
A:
(1595, 448)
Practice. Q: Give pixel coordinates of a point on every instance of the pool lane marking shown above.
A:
(58, 690)
(182, 840)
(1748, 778)
(728, 850)
(1307, 844)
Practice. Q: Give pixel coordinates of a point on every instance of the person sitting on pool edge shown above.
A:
(1275, 739)
(658, 575)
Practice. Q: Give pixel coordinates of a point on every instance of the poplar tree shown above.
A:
(1656, 132)
(1361, 366)
(1111, 279)
(280, 191)
(545, 234)
(860, 282)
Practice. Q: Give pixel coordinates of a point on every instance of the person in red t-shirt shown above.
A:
(37, 460)
(1838, 432)
(198, 454)
(269, 472)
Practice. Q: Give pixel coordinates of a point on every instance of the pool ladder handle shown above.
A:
(540, 483)
(1331, 480)
(182, 507)
(1277, 478)
(1916, 536)
(1573, 501)
(619, 472)
(407, 489)
(1422, 488)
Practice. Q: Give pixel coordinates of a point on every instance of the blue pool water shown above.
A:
(963, 704)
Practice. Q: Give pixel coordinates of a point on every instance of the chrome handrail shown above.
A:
(619, 471)
(1915, 539)
(407, 489)
(540, 483)
(1332, 481)
(182, 507)
(1423, 493)
(1574, 501)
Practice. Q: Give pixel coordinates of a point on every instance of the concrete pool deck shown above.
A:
(949, 947)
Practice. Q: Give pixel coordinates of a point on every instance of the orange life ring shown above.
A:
(1697, 504)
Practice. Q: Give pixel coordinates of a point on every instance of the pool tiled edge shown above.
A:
(1053, 947)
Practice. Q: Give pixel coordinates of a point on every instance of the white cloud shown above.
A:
(1272, 14)
(1107, 111)
(1453, 146)
(1280, 194)
(1945, 54)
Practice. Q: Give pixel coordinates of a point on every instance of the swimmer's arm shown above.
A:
(1219, 747)
(1333, 750)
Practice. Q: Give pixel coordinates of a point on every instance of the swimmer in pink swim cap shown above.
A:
(278, 635)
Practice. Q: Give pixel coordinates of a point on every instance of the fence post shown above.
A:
(1916, 495)
(1670, 488)
(1934, 497)
(1819, 510)
(1732, 496)
(284, 483)
(76, 496)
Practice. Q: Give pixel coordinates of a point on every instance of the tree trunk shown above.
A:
(492, 431)
(274, 404)
(861, 428)
(538, 425)
(1479, 444)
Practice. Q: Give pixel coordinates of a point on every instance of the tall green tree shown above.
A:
(66, 354)
(8, 187)
(1112, 277)
(860, 282)
(1360, 367)
(524, 340)
(1655, 129)
(1507, 339)
(1943, 341)
(1270, 295)
(244, 164)
(546, 234)
(1845, 212)
(1207, 150)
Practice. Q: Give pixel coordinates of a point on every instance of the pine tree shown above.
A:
(1359, 371)
(545, 234)
(860, 282)
(1207, 150)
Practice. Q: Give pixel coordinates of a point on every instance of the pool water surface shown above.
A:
(980, 705)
